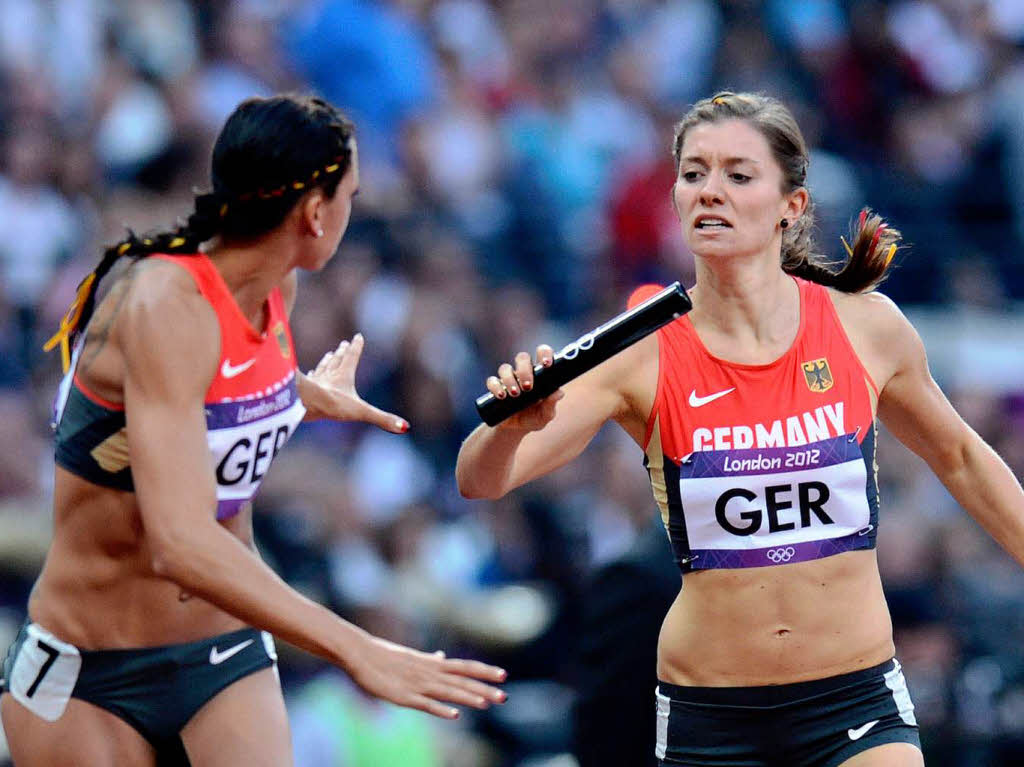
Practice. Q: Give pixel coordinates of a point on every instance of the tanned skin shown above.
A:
(155, 567)
(763, 626)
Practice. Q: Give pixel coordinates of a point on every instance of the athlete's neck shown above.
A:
(251, 271)
(753, 304)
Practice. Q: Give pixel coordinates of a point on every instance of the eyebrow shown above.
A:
(728, 160)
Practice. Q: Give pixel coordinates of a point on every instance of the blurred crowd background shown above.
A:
(515, 188)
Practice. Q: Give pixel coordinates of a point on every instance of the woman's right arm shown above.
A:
(549, 434)
(169, 338)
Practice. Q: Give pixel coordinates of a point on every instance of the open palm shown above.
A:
(335, 395)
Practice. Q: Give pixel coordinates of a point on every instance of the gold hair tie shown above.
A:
(892, 252)
(123, 248)
(223, 210)
(846, 245)
(69, 322)
(296, 185)
(177, 242)
(718, 100)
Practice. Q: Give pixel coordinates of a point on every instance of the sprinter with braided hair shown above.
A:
(149, 632)
(756, 412)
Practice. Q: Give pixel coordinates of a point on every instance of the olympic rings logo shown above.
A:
(583, 343)
(778, 556)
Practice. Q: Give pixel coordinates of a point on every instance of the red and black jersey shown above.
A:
(758, 465)
(252, 405)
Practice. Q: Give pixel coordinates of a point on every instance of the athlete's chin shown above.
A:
(720, 249)
(317, 263)
(713, 249)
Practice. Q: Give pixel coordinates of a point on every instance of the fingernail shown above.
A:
(455, 713)
(503, 674)
(500, 395)
(503, 697)
(403, 425)
(527, 385)
(513, 390)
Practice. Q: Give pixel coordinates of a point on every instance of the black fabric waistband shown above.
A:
(178, 651)
(768, 696)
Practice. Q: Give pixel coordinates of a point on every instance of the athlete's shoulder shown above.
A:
(874, 311)
(154, 279)
(877, 327)
(159, 300)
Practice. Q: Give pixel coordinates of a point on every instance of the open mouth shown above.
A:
(711, 224)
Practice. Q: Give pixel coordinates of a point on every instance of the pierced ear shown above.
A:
(311, 217)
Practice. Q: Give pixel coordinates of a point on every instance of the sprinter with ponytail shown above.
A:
(757, 413)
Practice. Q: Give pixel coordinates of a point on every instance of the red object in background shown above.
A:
(640, 215)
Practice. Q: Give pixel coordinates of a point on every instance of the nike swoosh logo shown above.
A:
(230, 371)
(216, 658)
(696, 401)
(858, 733)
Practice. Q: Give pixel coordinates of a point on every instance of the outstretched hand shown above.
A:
(424, 681)
(329, 390)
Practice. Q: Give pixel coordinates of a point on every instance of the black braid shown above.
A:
(204, 224)
(269, 154)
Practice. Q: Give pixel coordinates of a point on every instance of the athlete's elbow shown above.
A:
(162, 565)
(951, 459)
(169, 556)
(473, 489)
(469, 490)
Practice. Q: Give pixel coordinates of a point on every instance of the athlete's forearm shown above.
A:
(985, 486)
(214, 565)
(486, 460)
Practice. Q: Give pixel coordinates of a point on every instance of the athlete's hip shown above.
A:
(128, 613)
(821, 722)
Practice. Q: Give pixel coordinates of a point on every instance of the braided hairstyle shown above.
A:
(874, 242)
(269, 153)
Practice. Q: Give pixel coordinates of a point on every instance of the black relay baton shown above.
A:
(589, 351)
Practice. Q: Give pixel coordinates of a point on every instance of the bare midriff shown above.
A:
(98, 589)
(776, 625)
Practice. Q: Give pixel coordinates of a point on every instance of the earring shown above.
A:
(319, 232)
(784, 223)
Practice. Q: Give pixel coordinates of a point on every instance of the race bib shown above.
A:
(244, 437)
(44, 672)
(772, 506)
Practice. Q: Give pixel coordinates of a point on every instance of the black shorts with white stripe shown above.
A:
(819, 723)
(157, 690)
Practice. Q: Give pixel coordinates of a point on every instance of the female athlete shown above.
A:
(149, 632)
(756, 413)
